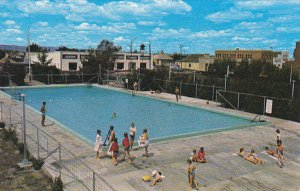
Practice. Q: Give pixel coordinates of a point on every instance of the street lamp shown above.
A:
(25, 163)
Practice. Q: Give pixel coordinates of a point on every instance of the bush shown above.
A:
(57, 184)
(10, 134)
(2, 125)
(37, 163)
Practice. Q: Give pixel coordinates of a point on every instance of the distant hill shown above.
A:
(22, 48)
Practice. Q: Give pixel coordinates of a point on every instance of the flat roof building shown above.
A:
(240, 55)
(133, 61)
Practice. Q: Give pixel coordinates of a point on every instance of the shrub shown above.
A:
(10, 134)
(37, 163)
(57, 184)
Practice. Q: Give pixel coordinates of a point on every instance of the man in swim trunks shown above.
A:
(43, 111)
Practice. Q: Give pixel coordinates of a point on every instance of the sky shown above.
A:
(198, 26)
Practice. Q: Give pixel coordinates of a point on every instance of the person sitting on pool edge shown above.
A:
(201, 155)
(194, 157)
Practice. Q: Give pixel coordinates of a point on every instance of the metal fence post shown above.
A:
(217, 95)
(94, 181)
(264, 105)
(196, 93)
(59, 158)
(66, 78)
(81, 77)
(10, 117)
(180, 87)
(238, 101)
(213, 93)
(38, 142)
(48, 78)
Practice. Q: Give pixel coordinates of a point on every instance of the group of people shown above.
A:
(199, 156)
(277, 152)
(127, 142)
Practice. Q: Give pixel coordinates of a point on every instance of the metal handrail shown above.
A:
(69, 152)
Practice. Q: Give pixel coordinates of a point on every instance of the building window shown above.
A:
(72, 66)
(69, 56)
(120, 57)
(190, 65)
(132, 66)
(143, 65)
(129, 57)
(120, 65)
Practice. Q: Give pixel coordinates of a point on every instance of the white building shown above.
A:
(281, 58)
(133, 61)
(64, 60)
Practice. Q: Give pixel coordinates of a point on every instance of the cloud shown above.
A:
(146, 23)
(260, 4)
(19, 39)
(43, 24)
(112, 28)
(232, 14)
(212, 33)
(159, 33)
(16, 31)
(9, 22)
(120, 39)
(79, 10)
(288, 29)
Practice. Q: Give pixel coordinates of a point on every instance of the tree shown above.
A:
(35, 48)
(64, 48)
(142, 47)
(42, 58)
(102, 57)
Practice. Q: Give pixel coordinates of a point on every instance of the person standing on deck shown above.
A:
(132, 134)
(43, 111)
(177, 93)
(98, 144)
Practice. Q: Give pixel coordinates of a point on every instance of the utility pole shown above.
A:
(150, 55)
(130, 64)
(181, 46)
(29, 60)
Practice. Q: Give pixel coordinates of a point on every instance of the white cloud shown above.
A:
(288, 29)
(19, 39)
(260, 4)
(159, 33)
(43, 24)
(146, 23)
(9, 22)
(78, 10)
(4, 15)
(120, 39)
(112, 28)
(16, 31)
(232, 14)
(212, 33)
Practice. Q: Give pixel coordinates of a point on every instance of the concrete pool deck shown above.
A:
(223, 170)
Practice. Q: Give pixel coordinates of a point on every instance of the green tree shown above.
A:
(35, 48)
(102, 57)
(142, 47)
(42, 58)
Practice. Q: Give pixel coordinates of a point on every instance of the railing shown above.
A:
(60, 160)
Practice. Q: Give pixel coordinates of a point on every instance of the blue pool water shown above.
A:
(85, 109)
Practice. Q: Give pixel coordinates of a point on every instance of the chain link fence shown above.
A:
(59, 160)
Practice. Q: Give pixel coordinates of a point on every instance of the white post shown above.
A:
(194, 76)
(25, 161)
(293, 89)
(225, 85)
(213, 93)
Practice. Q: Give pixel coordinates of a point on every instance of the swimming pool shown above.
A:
(84, 109)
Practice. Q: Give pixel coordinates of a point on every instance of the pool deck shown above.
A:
(223, 170)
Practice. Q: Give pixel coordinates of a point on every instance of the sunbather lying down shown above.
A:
(271, 152)
(251, 157)
(154, 178)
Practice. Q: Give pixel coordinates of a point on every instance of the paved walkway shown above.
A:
(222, 172)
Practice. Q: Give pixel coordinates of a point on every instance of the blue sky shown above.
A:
(201, 26)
